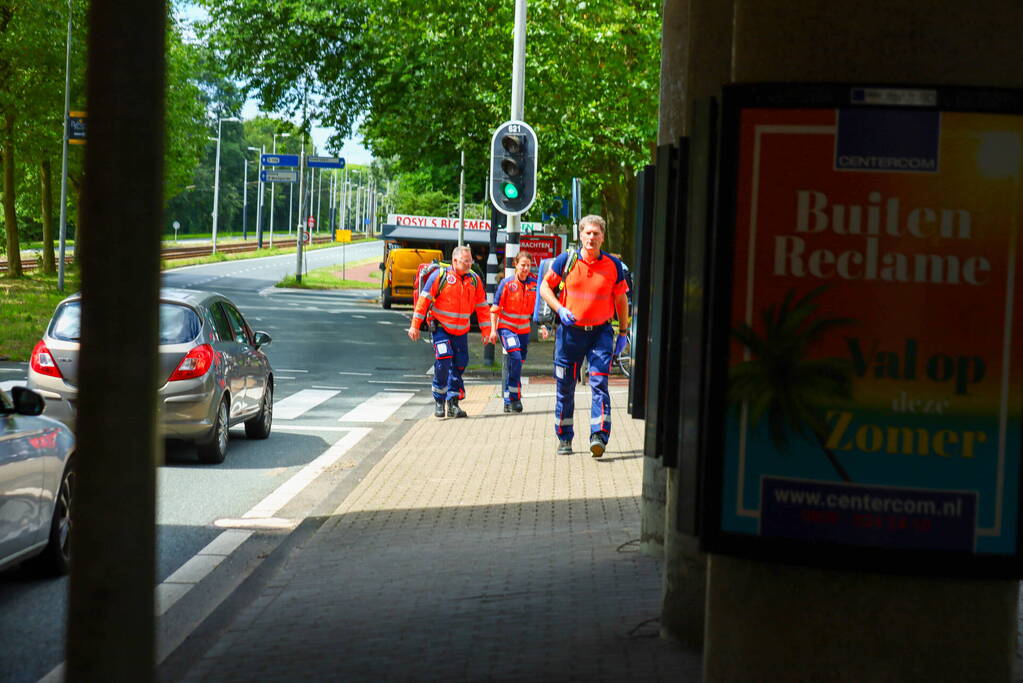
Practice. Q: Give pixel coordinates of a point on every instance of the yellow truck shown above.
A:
(399, 273)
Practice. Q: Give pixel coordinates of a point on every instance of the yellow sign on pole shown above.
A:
(342, 235)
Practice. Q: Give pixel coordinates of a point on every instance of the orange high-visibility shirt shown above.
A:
(590, 288)
(514, 302)
(453, 303)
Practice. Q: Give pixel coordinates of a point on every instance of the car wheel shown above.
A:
(214, 450)
(385, 296)
(259, 426)
(56, 558)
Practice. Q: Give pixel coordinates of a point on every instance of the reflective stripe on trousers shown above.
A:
(516, 346)
(572, 345)
(451, 352)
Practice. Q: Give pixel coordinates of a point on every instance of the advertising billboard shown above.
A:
(865, 400)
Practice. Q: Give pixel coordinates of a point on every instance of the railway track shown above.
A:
(174, 253)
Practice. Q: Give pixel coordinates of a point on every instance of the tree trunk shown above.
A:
(10, 216)
(46, 212)
(613, 203)
(79, 192)
(617, 199)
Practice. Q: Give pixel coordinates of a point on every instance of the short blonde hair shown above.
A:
(596, 220)
(460, 249)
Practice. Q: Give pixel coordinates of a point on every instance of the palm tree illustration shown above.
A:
(781, 383)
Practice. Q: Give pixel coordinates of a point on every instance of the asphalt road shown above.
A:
(333, 353)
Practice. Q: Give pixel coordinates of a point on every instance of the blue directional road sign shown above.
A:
(287, 160)
(275, 176)
(325, 162)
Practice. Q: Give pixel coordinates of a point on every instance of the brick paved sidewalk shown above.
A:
(470, 552)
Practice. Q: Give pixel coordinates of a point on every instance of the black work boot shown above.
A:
(438, 408)
(454, 410)
(516, 406)
(507, 407)
(564, 447)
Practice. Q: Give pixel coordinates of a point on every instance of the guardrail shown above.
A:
(176, 253)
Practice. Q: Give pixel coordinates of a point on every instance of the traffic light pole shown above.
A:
(511, 247)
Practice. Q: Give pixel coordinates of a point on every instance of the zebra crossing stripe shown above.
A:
(378, 408)
(297, 404)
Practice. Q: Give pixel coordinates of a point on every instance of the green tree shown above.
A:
(429, 78)
(32, 49)
(784, 386)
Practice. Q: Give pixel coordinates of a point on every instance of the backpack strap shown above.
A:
(573, 258)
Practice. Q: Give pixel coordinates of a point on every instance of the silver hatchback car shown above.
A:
(37, 484)
(216, 374)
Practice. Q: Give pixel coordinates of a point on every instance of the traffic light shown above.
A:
(513, 153)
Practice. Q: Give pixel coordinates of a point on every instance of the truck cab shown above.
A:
(399, 273)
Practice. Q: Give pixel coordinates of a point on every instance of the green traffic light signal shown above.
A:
(510, 191)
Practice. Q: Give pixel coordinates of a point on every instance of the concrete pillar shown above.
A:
(651, 537)
(671, 125)
(695, 61)
(775, 622)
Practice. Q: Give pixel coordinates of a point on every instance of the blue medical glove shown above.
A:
(566, 316)
(620, 343)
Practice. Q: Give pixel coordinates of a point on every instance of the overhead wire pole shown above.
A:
(511, 246)
(300, 232)
(259, 201)
(461, 201)
(63, 170)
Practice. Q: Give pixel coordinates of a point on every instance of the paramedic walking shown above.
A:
(594, 290)
(509, 320)
(452, 293)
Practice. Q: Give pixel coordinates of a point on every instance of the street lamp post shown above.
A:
(245, 194)
(216, 178)
(273, 189)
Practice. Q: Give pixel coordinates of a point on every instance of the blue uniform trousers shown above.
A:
(516, 346)
(451, 352)
(572, 345)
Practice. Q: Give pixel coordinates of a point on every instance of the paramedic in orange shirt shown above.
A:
(509, 321)
(594, 290)
(453, 294)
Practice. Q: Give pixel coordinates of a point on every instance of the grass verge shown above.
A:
(331, 277)
(26, 305)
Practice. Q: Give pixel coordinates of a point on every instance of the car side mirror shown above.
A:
(27, 402)
(381, 265)
(261, 339)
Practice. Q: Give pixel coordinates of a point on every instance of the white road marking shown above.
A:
(290, 370)
(262, 515)
(318, 386)
(309, 428)
(291, 407)
(378, 408)
(272, 504)
(361, 374)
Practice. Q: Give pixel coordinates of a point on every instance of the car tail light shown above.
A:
(195, 363)
(42, 361)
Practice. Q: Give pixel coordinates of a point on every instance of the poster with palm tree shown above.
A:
(868, 394)
(781, 384)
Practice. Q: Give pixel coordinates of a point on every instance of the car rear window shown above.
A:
(178, 324)
(67, 322)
